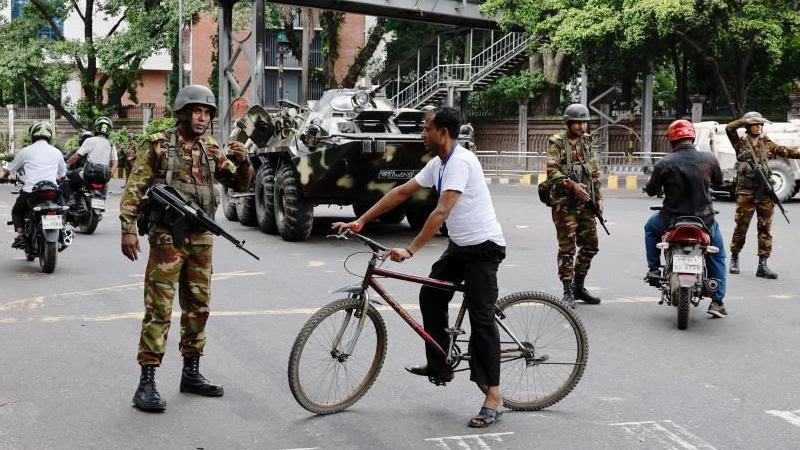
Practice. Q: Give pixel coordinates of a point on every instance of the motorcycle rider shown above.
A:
(686, 176)
(39, 161)
(97, 149)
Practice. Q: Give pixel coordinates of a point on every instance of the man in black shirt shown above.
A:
(686, 176)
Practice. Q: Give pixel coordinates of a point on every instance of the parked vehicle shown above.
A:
(785, 172)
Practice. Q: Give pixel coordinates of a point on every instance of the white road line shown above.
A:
(38, 302)
(468, 442)
(793, 417)
(663, 434)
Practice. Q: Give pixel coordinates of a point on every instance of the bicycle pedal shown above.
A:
(437, 381)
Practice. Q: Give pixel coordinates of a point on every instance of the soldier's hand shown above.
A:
(130, 246)
(398, 254)
(238, 150)
(581, 192)
(354, 226)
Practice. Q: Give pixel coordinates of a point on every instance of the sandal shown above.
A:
(486, 417)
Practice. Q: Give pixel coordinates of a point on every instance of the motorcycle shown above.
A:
(88, 207)
(684, 280)
(45, 233)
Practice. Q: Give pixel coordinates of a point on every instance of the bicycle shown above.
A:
(544, 347)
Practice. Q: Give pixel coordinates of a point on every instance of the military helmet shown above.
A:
(576, 112)
(41, 130)
(103, 125)
(194, 94)
(84, 136)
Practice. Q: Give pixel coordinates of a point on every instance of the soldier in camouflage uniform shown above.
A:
(751, 195)
(183, 159)
(569, 155)
(130, 155)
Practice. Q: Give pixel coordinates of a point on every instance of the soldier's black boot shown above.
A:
(569, 298)
(734, 263)
(763, 270)
(147, 397)
(580, 293)
(192, 381)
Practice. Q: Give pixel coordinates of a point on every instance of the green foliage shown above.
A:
(155, 126)
(729, 48)
(107, 66)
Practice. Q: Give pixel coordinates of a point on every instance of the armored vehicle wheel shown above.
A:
(265, 198)
(293, 216)
(228, 208)
(782, 179)
(394, 216)
(246, 211)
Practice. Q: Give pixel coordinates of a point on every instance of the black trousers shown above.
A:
(20, 208)
(476, 266)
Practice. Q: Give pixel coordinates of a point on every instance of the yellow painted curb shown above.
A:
(630, 182)
(526, 179)
(613, 182)
(542, 178)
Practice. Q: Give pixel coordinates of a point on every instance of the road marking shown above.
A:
(663, 434)
(470, 441)
(37, 302)
(138, 315)
(793, 417)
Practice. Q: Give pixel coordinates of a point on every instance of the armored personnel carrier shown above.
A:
(348, 148)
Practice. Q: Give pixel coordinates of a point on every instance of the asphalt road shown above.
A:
(68, 348)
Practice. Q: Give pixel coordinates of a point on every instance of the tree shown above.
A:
(731, 43)
(107, 64)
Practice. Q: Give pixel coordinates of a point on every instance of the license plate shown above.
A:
(98, 203)
(687, 264)
(52, 223)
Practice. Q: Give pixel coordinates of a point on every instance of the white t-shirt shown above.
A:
(98, 150)
(37, 162)
(472, 220)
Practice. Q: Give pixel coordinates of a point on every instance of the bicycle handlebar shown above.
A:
(367, 241)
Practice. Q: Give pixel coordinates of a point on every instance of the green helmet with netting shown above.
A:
(103, 125)
(41, 130)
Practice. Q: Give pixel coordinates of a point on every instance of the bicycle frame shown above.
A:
(370, 282)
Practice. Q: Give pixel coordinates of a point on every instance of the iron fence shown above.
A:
(508, 164)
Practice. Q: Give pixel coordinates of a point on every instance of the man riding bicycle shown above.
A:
(473, 255)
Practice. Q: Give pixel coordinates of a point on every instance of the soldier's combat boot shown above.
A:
(580, 293)
(569, 298)
(763, 270)
(147, 397)
(734, 263)
(192, 381)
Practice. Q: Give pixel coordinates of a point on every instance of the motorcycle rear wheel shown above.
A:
(682, 302)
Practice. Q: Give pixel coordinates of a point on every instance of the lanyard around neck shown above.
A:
(441, 170)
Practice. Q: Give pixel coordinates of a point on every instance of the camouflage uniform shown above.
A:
(750, 196)
(188, 264)
(130, 157)
(574, 221)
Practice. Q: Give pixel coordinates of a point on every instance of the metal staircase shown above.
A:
(502, 57)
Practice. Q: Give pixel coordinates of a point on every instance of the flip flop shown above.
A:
(486, 417)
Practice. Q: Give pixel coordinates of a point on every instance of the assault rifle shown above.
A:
(763, 177)
(179, 214)
(592, 203)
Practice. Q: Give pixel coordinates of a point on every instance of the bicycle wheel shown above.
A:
(555, 350)
(324, 378)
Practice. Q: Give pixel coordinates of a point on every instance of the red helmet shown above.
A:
(680, 129)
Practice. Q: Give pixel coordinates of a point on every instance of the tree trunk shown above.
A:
(366, 52)
(553, 64)
(330, 22)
